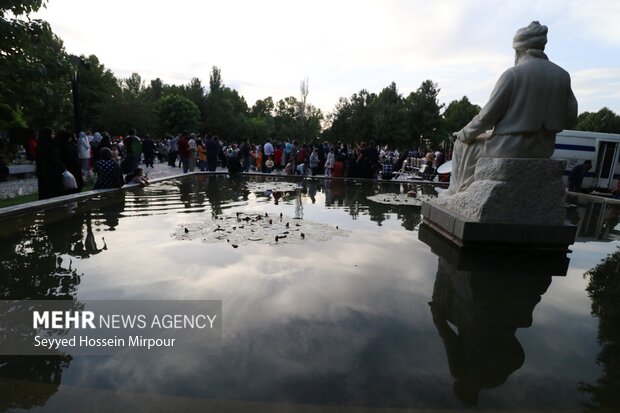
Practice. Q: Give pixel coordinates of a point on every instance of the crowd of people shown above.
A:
(65, 163)
(112, 162)
(289, 157)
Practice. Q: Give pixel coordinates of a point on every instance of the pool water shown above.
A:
(368, 316)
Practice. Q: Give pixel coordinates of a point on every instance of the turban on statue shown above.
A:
(533, 36)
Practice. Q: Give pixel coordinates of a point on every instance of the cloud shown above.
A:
(265, 48)
(595, 88)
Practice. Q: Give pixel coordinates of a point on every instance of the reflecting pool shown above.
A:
(368, 317)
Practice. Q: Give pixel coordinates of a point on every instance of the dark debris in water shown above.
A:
(256, 230)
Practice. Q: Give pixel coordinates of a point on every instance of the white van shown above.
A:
(603, 149)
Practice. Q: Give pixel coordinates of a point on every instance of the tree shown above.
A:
(133, 85)
(195, 92)
(353, 119)
(263, 108)
(131, 109)
(20, 7)
(423, 112)
(604, 120)
(215, 80)
(314, 119)
(258, 129)
(155, 90)
(390, 117)
(97, 87)
(225, 110)
(260, 125)
(457, 115)
(177, 114)
(286, 118)
(33, 69)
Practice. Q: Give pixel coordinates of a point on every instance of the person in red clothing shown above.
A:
(277, 157)
(302, 154)
(31, 147)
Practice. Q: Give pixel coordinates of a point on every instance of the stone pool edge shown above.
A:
(59, 200)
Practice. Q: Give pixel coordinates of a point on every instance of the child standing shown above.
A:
(269, 164)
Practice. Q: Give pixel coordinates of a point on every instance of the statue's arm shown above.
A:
(492, 111)
(571, 108)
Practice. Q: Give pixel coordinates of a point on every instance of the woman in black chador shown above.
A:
(49, 166)
(68, 157)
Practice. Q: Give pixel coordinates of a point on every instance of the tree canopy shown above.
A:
(604, 120)
(178, 114)
(32, 68)
(389, 118)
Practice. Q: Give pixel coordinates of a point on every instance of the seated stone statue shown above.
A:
(531, 102)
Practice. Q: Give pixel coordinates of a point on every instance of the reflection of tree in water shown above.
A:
(356, 195)
(604, 290)
(29, 381)
(486, 309)
(37, 259)
(220, 190)
(32, 257)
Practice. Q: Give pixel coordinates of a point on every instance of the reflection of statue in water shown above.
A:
(530, 103)
(486, 309)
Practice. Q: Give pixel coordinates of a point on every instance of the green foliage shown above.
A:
(457, 115)
(263, 108)
(261, 123)
(32, 68)
(286, 125)
(259, 128)
(226, 111)
(98, 90)
(215, 80)
(353, 119)
(33, 75)
(291, 123)
(390, 116)
(177, 114)
(129, 109)
(155, 90)
(312, 123)
(604, 120)
(424, 120)
(195, 92)
(19, 7)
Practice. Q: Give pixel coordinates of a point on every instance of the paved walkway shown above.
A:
(28, 185)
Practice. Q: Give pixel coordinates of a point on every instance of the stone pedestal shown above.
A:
(512, 202)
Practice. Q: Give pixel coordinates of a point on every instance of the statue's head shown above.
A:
(534, 36)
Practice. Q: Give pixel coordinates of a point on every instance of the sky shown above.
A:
(268, 47)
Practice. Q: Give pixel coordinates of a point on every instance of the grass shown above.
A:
(22, 199)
